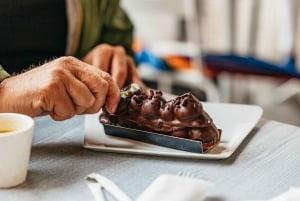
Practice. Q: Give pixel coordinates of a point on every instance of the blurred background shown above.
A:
(235, 51)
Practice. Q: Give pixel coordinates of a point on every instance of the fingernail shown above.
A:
(111, 108)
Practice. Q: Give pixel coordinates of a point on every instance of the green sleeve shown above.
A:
(104, 22)
(3, 74)
(117, 28)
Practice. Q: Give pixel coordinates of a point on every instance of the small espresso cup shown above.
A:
(16, 132)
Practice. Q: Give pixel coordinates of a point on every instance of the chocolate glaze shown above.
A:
(182, 116)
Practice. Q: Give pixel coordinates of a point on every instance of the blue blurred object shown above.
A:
(250, 65)
(152, 60)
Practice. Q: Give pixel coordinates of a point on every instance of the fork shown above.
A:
(97, 191)
(100, 182)
(185, 173)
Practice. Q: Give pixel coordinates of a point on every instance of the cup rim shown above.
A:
(25, 128)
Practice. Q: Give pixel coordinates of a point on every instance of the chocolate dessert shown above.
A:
(182, 117)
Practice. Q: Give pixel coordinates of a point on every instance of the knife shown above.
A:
(109, 186)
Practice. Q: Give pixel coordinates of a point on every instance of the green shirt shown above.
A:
(104, 22)
(3, 74)
(92, 22)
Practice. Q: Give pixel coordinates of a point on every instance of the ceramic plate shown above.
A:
(235, 120)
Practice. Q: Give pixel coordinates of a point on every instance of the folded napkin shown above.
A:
(293, 194)
(176, 188)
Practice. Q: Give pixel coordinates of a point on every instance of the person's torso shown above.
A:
(31, 32)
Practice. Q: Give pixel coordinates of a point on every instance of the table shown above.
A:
(266, 164)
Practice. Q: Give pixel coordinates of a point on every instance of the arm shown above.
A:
(105, 38)
(61, 88)
(108, 47)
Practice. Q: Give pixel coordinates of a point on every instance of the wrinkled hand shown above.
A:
(113, 59)
(62, 88)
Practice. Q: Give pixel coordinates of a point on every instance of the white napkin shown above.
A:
(293, 194)
(176, 188)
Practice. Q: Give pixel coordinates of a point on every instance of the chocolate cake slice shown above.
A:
(182, 116)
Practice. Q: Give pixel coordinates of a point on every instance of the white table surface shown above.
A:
(266, 164)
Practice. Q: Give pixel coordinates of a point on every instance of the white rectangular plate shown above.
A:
(235, 120)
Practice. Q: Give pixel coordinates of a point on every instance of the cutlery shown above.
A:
(96, 189)
(104, 183)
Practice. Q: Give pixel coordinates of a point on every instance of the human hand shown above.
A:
(113, 59)
(62, 88)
